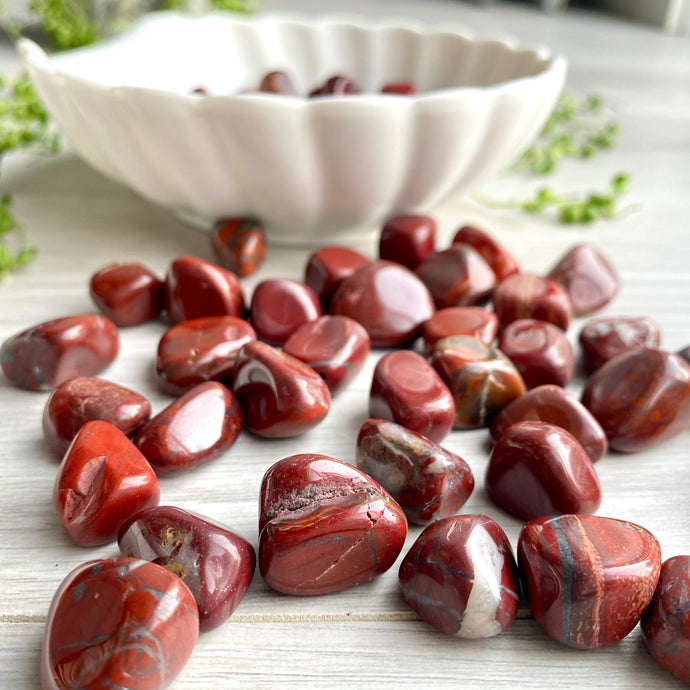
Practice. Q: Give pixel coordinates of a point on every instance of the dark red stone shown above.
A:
(239, 244)
(280, 306)
(85, 398)
(406, 389)
(46, 355)
(195, 429)
(429, 482)
(127, 293)
(280, 396)
(539, 350)
(501, 261)
(102, 481)
(460, 576)
(554, 405)
(216, 564)
(335, 347)
(457, 277)
(603, 338)
(588, 578)
(199, 350)
(387, 299)
(195, 288)
(641, 398)
(685, 353)
(278, 82)
(523, 296)
(407, 240)
(666, 622)
(478, 322)
(118, 623)
(399, 88)
(325, 526)
(338, 85)
(327, 267)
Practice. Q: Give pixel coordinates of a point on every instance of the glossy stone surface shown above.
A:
(387, 299)
(325, 526)
(400, 88)
(588, 578)
(86, 398)
(327, 267)
(118, 623)
(428, 481)
(215, 563)
(477, 322)
(588, 277)
(552, 404)
(481, 379)
(524, 296)
(537, 468)
(102, 481)
(278, 82)
(335, 347)
(603, 338)
(460, 576)
(44, 356)
(406, 389)
(127, 293)
(280, 396)
(195, 288)
(539, 350)
(457, 277)
(280, 306)
(199, 350)
(641, 398)
(337, 85)
(501, 261)
(239, 244)
(666, 622)
(407, 239)
(193, 430)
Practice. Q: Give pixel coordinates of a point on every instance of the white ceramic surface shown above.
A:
(312, 169)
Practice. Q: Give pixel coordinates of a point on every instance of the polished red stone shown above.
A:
(46, 355)
(102, 481)
(195, 288)
(118, 623)
(387, 299)
(588, 578)
(481, 379)
(193, 430)
(407, 240)
(216, 564)
(280, 306)
(86, 398)
(325, 526)
(684, 353)
(327, 267)
(127, 293)
(539, 350)
(537, 468)
(457, 277)
(524, 296)
(501, 261)
(280, 396)
(641, 398)
(338, 85)
(239, 244)
(400, 88)
(603, 338)
(199, 350)
(552, 404)
(666, 622)
(460, 576)
(478, 322)
(428, 481)
(278, 82)
(335, 347)
(406, 389)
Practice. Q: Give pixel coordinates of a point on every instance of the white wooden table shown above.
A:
(366, 637)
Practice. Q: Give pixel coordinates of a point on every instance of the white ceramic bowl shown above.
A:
(313, 170)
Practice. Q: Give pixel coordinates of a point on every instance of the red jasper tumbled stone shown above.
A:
(684, 353)
(337, 85)
(400, 88)
(278, 82)
(86, 398)
(478, 322)
(118, 623)
(327, 267)
(325, 526)
(46, 355)
(407, 240)
(428, 481)
(102, 481)
(502, 262)
(460, 576)
(193, 430)
(215, 563)
(239, 244)
(588, 578)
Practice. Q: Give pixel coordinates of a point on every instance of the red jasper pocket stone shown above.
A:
(407, 240)
(477, 322)
(501, 261)
(239, 245)
(327, 267)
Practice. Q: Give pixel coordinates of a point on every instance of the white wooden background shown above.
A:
(365, 637)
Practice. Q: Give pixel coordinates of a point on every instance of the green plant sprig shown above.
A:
(12, 232)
